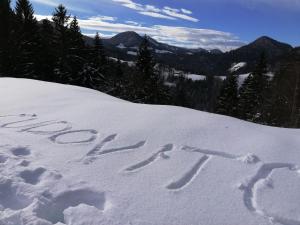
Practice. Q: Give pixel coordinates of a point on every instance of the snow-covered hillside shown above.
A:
(70, 155)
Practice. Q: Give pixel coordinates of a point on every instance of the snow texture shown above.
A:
(237, 66)
(132, 53)
(74, 156)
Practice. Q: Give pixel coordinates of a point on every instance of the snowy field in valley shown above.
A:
(74, 156)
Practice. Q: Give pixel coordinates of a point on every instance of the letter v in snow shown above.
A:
(98, 150)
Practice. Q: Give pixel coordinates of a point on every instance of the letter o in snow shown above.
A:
(91, 136)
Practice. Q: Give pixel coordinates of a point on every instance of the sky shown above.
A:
(210, 24)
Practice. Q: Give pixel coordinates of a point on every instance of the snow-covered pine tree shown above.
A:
(118, 81)
(252, 93)
(228, 99)
(91, 75)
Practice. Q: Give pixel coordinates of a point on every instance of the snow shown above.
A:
(237, 66)
(129, 63)
(158, 51)
(195, 77)
(131, 53)
(70, 155)
(169, 84)
(242, 78)
(121, 46)
(135, 48)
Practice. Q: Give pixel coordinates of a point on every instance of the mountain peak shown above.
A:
(267, 42)
(130, 33)
(265, 38)
(128, 38)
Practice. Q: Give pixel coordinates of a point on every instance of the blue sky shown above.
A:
(223, 24)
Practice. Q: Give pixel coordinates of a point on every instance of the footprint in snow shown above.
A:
(32, 176)
(11, 196)
(20, 151)
(51, 207)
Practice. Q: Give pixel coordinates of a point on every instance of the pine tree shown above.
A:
(118, 83)
(26, 40)
(75, 54)
(6, 28)
(75, 37)
(91, 75)
(284, 109)
(181, 93)
(149, 86)
(213, 86)
(98, 56)
(228, 98)
(252, 93)
(62, 69)
(46, 54)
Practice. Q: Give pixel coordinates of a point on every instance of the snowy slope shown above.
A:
(70, 155)
(237, 66)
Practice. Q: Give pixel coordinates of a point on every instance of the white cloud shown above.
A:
(46, 2)
(174, 35)
(171, 9)
(55, 3)
(102, 35)
(130, 22)
(174, 13)
(185, 11)
(162, 13)
(104, 18)
(152, 8)
(157, 15)
(130, 4)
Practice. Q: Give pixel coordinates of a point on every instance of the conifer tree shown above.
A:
(26, 40)
(252, 93)
(284, 109)
(228, 98)
(119, 80)
(149, 86)
(6, 28)
(75, 52)
(62, 69)
(75, 37)
(91, 74)
(181, 93)
(98, 56)
(46, 54)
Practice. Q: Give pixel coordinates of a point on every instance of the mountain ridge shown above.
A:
(202, 61)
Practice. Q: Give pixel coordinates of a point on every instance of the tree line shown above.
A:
(55, 51)
(270, 99)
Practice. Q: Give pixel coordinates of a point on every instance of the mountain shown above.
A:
(268, 45)
(75, 156)
(250, 53)
(200, 61)
(130, 41)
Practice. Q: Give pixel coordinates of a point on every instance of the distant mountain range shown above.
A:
(209, 62)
